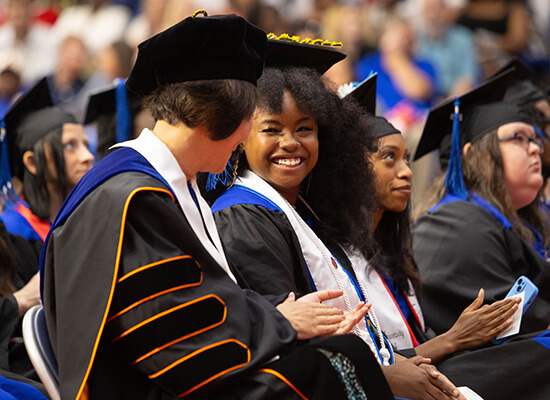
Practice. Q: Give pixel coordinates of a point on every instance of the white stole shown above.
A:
(318, 258)
(162, 160)
(389, 314)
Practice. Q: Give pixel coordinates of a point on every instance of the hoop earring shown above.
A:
(240, 151)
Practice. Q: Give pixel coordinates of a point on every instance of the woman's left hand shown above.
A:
(480, 323)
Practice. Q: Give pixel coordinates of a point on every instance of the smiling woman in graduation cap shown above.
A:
(484, 230)
(264, 219)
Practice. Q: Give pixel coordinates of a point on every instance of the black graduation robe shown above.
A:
(262, 250)
(461, 247)
(137, 308)
(249, 224)
(13, 355)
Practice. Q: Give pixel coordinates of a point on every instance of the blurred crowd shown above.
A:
(423, 50)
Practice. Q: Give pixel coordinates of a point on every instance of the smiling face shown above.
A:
(522, 165)
(393, 174)
(283, 148)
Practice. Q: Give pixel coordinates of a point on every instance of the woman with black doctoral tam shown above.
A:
(139, 299)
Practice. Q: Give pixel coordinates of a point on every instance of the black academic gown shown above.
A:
(13, 355)
(459, 248)
(263, 250)
(137, 308)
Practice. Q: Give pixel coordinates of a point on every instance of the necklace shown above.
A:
(385, 354)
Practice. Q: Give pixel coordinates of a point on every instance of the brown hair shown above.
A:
(484, 174)
(7, 264)
(219, 105)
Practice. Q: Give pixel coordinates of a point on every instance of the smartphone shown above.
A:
(524, 284)
(530, 290)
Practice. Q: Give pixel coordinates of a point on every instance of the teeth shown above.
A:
(288, 162)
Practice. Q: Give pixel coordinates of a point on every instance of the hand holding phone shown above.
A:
(527, 290)
(530, 290)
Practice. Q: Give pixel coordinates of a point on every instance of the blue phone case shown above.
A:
(524, 284)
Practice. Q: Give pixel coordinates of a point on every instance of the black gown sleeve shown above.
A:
(263, 249)
(164, 279)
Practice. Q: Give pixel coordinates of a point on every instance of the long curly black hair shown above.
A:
(313, 98)
(342, 188)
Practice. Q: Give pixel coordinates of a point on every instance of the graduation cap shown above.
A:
(521, 70)
(521, 91)
(441, 117)
(364, 93)
(197, 48)
(465, 119)
(29, 119)
(285, 50)
(117, 101)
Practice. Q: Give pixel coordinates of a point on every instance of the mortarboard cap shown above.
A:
(197, 48)
(284, 51)
(32, 117)
(113, 108)
(364, 93)
(466, 119)
(382, 127)
(521, 70)
(103, 102)
(523, 93)
(441, 117)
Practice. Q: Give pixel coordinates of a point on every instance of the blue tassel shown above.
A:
(8, 195)
(454, 180)
(122, 112)
(226, 178)
(540, 132)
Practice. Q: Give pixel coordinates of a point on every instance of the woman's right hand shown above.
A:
(416, 379)
(310, 318)
(480, 323)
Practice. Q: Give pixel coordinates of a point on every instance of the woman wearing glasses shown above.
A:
(484, 228)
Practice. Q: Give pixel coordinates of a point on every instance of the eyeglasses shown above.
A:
(521, 139)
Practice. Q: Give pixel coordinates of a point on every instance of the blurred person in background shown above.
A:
(25, 45)
(10, 85)
(98, 22)
(448, 47)
(115, 61)
(348, 24)
(48, 153)
(269, 19)
(147, 23)
(405, 84)
(68, 78)
(501, 28)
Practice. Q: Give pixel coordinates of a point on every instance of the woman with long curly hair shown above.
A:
(264, 220)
